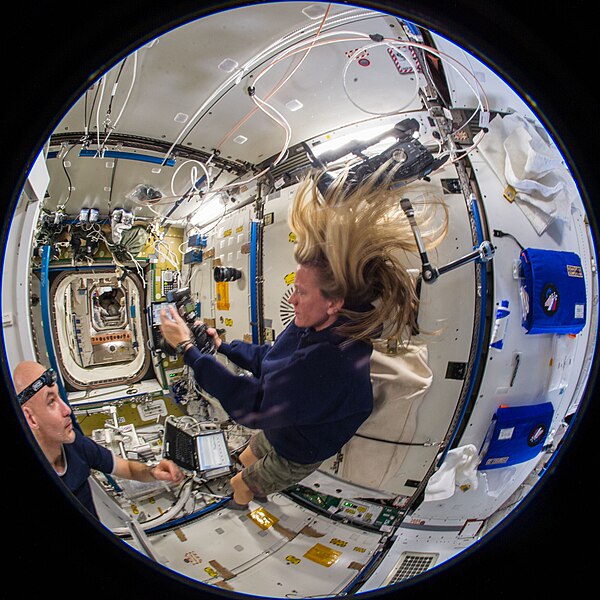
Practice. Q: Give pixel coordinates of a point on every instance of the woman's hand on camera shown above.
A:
(215, 336)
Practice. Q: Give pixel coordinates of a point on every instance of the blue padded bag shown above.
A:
(553, 286)
(516, 434)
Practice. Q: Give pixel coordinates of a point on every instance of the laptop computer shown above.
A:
(205, 452)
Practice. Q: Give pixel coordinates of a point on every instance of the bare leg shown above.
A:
(247, 457)
(242, 494)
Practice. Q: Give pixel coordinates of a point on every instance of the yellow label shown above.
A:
(290, 278)
(263, 518)
(211, 571)
(229, 322)
(292, 237)
(223, 295)
(292, 559)
(227, 233)
(323, 555)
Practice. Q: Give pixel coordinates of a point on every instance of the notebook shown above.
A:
(204, 452)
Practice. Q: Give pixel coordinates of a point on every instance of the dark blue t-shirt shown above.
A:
(309, 393)
(81, 456)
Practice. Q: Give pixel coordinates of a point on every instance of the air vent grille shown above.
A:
(412, 564)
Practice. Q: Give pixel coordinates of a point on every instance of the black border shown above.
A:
(52, 51)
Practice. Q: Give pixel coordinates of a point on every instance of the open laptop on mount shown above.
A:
(205, 452)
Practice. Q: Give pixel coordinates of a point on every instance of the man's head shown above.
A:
(48, 416)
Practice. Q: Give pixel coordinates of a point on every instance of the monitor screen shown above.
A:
(212, 451)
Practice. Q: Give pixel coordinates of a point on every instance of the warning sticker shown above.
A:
(323, 555)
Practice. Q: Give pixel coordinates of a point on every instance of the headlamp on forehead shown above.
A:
(46, 378)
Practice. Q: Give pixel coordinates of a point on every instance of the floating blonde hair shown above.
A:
(355, 236)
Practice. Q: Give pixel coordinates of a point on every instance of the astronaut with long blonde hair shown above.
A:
(310, 390)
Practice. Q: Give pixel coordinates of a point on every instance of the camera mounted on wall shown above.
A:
(186, 307)
(221, 274)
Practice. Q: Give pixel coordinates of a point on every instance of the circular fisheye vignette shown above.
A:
(233, 6)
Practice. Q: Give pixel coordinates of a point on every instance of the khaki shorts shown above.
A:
(271, 472)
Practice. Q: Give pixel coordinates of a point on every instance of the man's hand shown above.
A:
(167, 470)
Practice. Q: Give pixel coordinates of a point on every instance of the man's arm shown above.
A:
(165, 470)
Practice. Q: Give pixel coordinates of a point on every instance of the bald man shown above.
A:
(72, 454)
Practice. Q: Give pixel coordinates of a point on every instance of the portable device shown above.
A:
(205, 452)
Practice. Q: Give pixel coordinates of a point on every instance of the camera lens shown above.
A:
(226, 274)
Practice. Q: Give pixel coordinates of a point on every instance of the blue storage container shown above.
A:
(516, 434)
(552, 291)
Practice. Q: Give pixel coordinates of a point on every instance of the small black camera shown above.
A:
(186, 308)
(226, 274)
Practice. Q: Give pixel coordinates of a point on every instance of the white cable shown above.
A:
(133, 78)
(236, 77)
(280, 120)
(114, 125)
(322, 41)
(407, 57)
(102, 80)
(193, 178)
(169, 514)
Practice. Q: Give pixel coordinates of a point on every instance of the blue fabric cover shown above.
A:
(516, 434)
(554, 285)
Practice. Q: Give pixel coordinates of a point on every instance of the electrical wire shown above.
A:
(70, 188)
(193, 176)
(282, 82)
(407, 57)
(237, 76)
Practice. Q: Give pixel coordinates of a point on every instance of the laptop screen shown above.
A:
(212, 451)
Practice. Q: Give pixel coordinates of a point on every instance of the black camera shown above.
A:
(186, 308)
(226, 274)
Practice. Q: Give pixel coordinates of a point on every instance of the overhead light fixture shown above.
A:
(294, 105)
(211, 207)
(228, 65)
(240, 139)
(181, 118)
(314, 11)
(361, 136)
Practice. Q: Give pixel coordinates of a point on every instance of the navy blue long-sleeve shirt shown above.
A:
(308, 392)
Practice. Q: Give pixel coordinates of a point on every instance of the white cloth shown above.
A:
(458, 469)
(533, 166)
